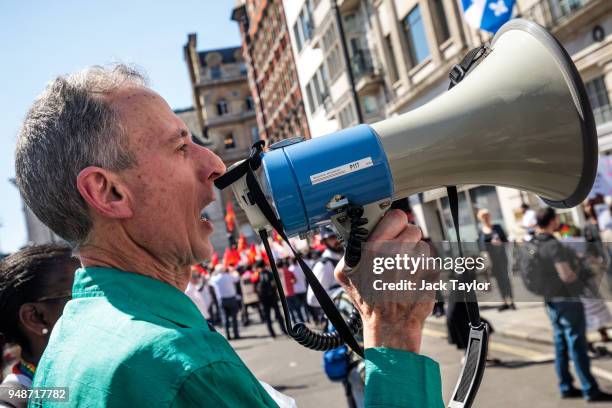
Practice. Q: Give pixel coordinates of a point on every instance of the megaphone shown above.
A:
(520, 119)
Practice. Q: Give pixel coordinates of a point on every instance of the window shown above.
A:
(316, 89)
(215, 72)
(331, 50)
(370, 104)
(347, 116)
(414, 30)
(298, 36)
(222, 108)
(392, 64)
(334, 62)
(243, 69)
(598, 94)
(304, 26)
(350, 22)
(229, 141)
(320, 85)
(306, 19)
(439, 16)
(249, 103)
(311, 103)
(324, 80)
(254, 134)
(599, 99)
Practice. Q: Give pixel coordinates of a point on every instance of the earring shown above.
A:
(45, 331)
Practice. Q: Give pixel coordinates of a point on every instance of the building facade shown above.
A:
(271, 69)
(222, 119)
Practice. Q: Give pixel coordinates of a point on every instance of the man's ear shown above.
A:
(104, 192)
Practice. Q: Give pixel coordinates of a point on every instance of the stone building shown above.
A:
(326, 75)
(222, 118)
(271, 69)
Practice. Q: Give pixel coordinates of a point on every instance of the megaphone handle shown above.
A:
(355, 224)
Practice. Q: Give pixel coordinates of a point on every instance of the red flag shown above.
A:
(264, 256)
(242, 243)
(199, 269)
(214, 261)
(234, 257)
(230, 217)
(252, 254)
(227, 257)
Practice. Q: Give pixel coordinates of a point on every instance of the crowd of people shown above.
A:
(228, 292)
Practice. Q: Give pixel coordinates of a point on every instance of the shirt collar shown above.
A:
(143, 293)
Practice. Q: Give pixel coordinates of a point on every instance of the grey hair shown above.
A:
(71, 126)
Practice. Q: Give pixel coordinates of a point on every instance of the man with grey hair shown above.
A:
(104, 162)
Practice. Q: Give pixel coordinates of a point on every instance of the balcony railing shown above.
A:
(551, 13)
(361, 63)
(603, 114)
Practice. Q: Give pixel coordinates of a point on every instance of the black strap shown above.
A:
(457, 74)
(458, 71)
(469, 296)
(234, 174)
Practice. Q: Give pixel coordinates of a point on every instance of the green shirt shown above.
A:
(129, 340)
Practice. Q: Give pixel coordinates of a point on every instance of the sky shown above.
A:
(42, 39)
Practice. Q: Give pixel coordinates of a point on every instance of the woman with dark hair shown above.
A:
(35, 284)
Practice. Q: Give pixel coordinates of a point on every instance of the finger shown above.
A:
(411, 233)
(390, 226)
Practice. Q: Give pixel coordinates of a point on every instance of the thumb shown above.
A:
(339, 273)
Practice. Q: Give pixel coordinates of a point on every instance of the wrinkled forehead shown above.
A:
(146, 117)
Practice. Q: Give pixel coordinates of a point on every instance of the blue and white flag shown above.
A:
(487, 15)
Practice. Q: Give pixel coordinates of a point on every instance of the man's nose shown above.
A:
(213, 165)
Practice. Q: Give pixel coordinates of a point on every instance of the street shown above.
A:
(526, 377)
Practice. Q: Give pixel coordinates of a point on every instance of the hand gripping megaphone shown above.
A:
(520, 119)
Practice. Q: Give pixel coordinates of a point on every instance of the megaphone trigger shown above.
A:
(355, 223)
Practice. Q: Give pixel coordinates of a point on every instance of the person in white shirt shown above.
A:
(324, 269)
(224, 284)
(528, 222)
(197, 290)
(300, 288)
